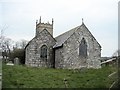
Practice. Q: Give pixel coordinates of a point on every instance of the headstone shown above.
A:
(16, 61)
(10, 63)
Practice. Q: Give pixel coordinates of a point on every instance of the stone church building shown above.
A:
(74, 49)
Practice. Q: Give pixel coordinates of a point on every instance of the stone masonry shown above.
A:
(74, 49)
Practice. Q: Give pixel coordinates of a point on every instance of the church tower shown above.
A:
(41, 26)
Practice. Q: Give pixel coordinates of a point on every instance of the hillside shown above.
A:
(28, 77)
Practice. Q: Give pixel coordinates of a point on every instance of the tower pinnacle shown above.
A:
(40, 26)
(36, 22)
(40, 20)
(82, 21)
(52, 21)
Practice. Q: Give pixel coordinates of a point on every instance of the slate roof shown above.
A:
(63, 37)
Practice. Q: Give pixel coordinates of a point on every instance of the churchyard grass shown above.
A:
(29, 77)
(0, 66)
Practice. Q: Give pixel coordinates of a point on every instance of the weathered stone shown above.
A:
(16, 61)
(64, 51)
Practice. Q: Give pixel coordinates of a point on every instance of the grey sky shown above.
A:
(100, 16)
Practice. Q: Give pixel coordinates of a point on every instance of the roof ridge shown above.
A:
(63, 37)
(67, 31)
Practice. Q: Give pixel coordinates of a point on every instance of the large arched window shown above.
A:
(83, 48)
(44, 52)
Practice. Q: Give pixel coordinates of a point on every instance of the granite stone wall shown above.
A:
(33, 50)
(68, 55)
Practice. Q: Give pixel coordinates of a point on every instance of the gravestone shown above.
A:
(16, 61)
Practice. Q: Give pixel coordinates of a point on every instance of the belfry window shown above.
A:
(83, 48)
(44, 52)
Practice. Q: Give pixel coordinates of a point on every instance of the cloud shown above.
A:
(100, 16)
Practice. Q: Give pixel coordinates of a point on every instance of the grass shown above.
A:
(0, 66)
(29, 77)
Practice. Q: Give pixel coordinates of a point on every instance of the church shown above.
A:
(77, 48)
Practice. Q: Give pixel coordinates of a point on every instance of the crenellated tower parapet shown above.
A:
(41, 26)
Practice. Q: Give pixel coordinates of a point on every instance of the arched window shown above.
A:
(83, 48)
(44, 52)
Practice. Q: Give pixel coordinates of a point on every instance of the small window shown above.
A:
(83, 48)
(44, 52)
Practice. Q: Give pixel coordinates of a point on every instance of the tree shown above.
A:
(19, 53)
(2, 37)
(6, 46)
(23, 43)
(4, 43)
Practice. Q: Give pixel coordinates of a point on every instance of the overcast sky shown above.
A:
(100, 16)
